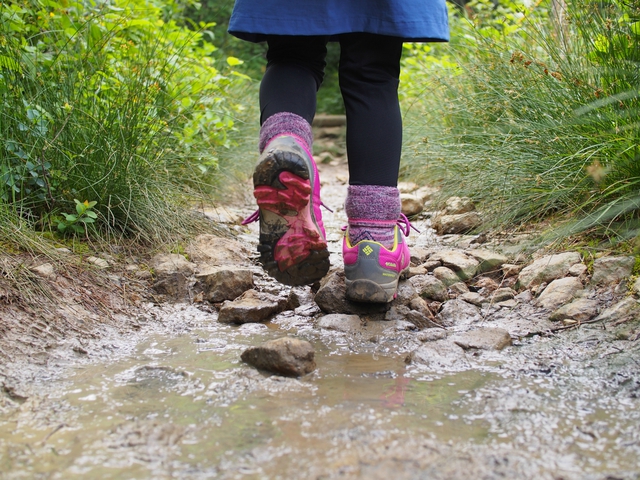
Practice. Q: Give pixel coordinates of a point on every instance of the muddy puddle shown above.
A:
(176, 402)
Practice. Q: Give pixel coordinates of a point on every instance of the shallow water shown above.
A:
(177, 402)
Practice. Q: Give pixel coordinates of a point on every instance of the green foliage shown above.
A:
(74, 223)
(114, 101)
(535, 114)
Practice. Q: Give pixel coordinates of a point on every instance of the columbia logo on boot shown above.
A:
(367, 250)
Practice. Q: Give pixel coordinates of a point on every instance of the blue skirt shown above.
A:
(411, 20)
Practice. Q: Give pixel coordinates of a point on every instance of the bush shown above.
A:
(113, 103)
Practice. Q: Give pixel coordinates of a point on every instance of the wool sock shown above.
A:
(372, 212)
(284, 123)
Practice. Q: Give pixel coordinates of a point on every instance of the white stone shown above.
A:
(559, 292)
(547, 268)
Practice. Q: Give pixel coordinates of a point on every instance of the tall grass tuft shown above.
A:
(536, 115)
(113, 103)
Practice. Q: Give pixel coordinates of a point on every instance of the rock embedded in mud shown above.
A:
(502, 295)
(464, 265)
(626, 309)
(453, 224)
(483, 339)
(430, 287)
(252, 307)
(636, 287)
(458, 312)
(458, 289)
(446, 276)
(610, 270)
(579, 310)
(578, 270)
(559, 292)
(171, 263)
(340, 322)
(488, 261)
(216, 251)
(439, 354)
(473, 298)
(44, 270)
(224, 283)
(286, 356)
(510, 270)
(547, 269)
(331, 298)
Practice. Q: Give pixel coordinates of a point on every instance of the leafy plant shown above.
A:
(76, 223)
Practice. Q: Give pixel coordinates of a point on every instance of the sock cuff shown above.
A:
(373, 203)
(285, 123)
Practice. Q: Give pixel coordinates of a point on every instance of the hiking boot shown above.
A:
(292, 242)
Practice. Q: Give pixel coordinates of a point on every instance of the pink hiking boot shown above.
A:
(292, 243)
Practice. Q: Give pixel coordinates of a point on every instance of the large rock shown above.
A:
(411, 204)
(438, 354)
(283, 356)
(458, 312)
(462, 223)
(489, 261)
(464, 265)
(609, 270)
(224, 283)
(331, 298)
(626, 309)
(579, 310)
(636, 287)
(559, 292)
(458, 205)
(252, 307)
(340, 322)
(483, 339)
(172, 274)
(547, 269)
(214, 250)
(446, 276)
(418, 318)
(430, 287)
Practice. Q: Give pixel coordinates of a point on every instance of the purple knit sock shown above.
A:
(372, 211)
(283, 123)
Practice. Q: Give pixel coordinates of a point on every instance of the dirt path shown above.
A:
(122, 384)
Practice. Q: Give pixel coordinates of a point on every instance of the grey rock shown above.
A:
(215, 251)
(252, 307)
(419, 270)
(44, 270)
(340, 322)
(547, 268)
(458, 312)
(405, 293)
(483, 339)
(511, 303)
(432, 334)
(510, 270)
(331, 297)
(283, 356)
(172, 275)
(559, 292)
(489, 261)
(446, 276)
(98, 262)
(404, 313)
(458, 289)
(578, 270)
(626, 309)
(426, 193)
(473, 298)
(168, 264)
(224, 283)
(438, 354)
(461, 223)
(502, 294)
(419, 255)
(636, 287)
(579, 310)
(431, 265)
(524, 297)
(430, 287)
(411, 204)
(458, 205)
(419, 304)
(464, 265)
(610, 270)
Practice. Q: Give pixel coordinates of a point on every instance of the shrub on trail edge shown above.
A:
(534, 113)
(112, 103)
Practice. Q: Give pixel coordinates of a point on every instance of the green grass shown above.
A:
(533, 124)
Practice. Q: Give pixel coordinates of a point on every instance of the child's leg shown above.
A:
(375, 252)
(293, 247)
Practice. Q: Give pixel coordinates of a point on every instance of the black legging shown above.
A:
(369, 70)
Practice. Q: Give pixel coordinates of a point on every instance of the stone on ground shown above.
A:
(331, 298)
(610, 270)
(464, 265)
(411, 204)
(489, 261)
(214, 250)
(252, 307)
(626, 309)
(458, 205)
(547, 269)
(559, 292)
(446, 276)
(502, 295)
(458, 312)
(453, 224)
(438, 354)
(284, 356)
(579, 310)
(224, 283)
(340, 322)
(483, 339)
(430, 287)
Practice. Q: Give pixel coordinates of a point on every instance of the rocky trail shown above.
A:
(491, 363)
